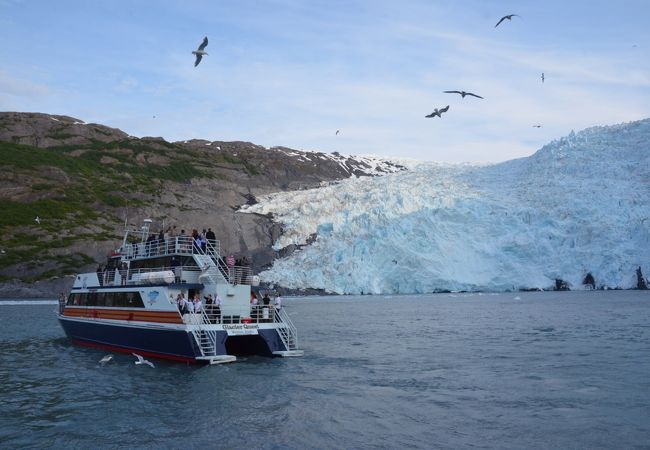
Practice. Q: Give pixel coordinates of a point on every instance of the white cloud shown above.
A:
(20, 87)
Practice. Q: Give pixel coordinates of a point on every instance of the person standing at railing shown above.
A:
(170, 238)
(230, 262)
(181, 303)
(100, 275)
(203, 239)
(254, 307)
(211, 238)
(217, 308)
(176, 267)
(182, 241)
(209, 305)
(161, 242)
(198, 307)
(278, 303)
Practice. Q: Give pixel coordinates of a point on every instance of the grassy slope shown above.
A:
(86, 206)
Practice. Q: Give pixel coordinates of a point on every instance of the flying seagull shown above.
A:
(199, 52)
(542, 77)
(537, 126)
(106, 359)
(337, 132)
(438, 112)
(462, 93)
(141, 360)
(509, 17)
(37, 220)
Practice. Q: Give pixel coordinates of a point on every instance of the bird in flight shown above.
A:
(509, 17)
(537, 126)
(462, 93)
(37, 220)
(438, 112)
(542, 77)
(106, 359)
(199, 52)
(141, 360)
(337, 131)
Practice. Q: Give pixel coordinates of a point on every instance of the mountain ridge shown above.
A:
(85, 180)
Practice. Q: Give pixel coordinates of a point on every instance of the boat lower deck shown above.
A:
(174, 342)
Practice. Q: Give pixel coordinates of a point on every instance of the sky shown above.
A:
(291, 73)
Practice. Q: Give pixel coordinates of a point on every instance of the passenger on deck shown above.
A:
(202, 239)
(196, 245)
(181, 303)
(254, 306)
(198, 307)
(230, 262)
(161, 242)
(210, 236)
(217, 308)
(177, 269)
(182, 241)
(278, 302)
(266, 300)
(123, 273)
(100, 275)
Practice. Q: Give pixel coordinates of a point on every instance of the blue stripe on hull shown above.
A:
(171, 343)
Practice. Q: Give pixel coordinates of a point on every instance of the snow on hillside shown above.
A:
(354, 165)
(580, 204)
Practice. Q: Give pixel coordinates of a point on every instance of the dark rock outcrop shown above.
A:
(561, 285)
(589, 281)
(640, 280)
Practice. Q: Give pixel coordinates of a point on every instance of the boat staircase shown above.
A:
(207, 342)
(288, 334)
(211, 263)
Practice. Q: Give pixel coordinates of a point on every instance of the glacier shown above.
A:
(580, 204)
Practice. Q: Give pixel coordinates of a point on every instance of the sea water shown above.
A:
(515, 370)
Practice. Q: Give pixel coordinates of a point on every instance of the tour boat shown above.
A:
(131, 305)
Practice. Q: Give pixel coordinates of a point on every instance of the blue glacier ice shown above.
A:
(579, 204)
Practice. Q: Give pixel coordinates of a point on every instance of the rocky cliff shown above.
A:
(84, 180)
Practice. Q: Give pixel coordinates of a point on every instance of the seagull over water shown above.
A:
(509, 17)
(106, 359)
(462, 93)
(199, 52)
(438, 112)
(141, 360)
(37, 220)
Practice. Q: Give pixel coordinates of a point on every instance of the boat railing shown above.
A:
(186, 246)
(179, 245)
(128, 276)
(258, 314)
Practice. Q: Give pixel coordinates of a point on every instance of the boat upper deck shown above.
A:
(144, 258)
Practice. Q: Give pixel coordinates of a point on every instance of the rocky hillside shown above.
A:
(84, 180)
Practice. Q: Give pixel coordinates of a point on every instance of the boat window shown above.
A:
(115, 299)
(108, 299)
(118, 299)
(91, 299)
(73, 299)
(133, 300)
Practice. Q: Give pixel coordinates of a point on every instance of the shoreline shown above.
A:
(15, 290)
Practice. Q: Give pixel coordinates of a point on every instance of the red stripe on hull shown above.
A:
(135, 350)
